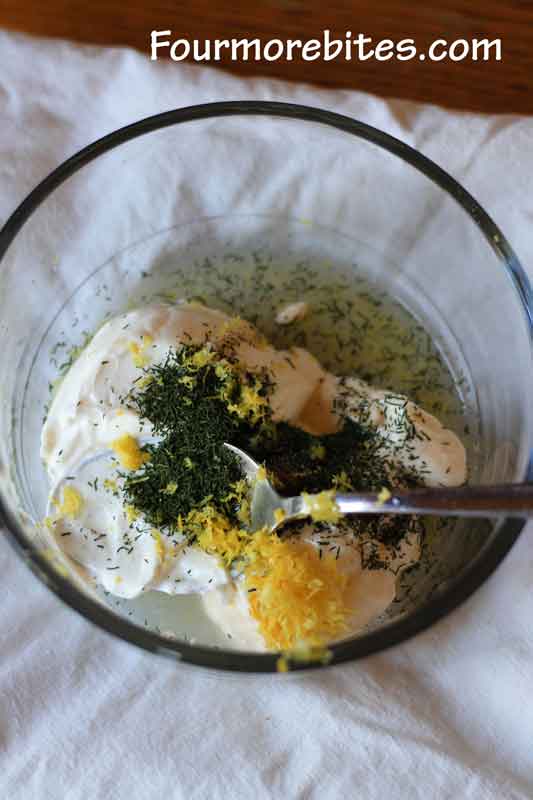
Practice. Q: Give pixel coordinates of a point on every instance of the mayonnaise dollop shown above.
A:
(122, 553)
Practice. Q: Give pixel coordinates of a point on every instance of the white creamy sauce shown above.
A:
(87, 414)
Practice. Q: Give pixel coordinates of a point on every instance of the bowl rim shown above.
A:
(396, 631)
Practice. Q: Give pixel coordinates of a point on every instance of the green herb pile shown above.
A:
(189, 467)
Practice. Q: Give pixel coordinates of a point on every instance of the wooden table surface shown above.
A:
(492, 86)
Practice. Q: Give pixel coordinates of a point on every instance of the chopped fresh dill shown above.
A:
(195, 401)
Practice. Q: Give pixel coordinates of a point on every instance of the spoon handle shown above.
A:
(510, 500)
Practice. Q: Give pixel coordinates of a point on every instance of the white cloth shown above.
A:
(83, 715)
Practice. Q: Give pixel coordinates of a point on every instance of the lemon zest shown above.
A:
(202, 358)
(129, 453)
(140, 359)
(383, 495)
(188, 380)
(72, 503)
(251, 404)
(322, 507)
(131, 514)
(342, 482)
(298, 598)
(216, 535)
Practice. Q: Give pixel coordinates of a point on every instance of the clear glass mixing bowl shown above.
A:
(151, 208)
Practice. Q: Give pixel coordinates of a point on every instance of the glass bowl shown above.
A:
(252, 188)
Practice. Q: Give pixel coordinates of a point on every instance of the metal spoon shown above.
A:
(509, 500)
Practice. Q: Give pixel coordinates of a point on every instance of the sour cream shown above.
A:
(88, 414)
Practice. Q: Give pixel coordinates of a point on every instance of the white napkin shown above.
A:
(84, 715)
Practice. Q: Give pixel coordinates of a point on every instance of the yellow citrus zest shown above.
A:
(383, 496)
(72, 503)
(140, 359)
(129, 453)
(322, 507)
